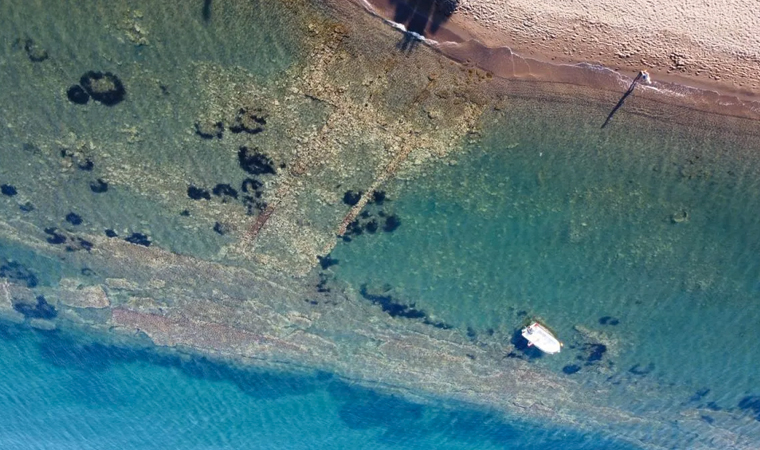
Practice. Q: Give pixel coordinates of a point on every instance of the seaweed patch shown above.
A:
(249, 120)
(638, 370)
(197, 193)
(571, 369)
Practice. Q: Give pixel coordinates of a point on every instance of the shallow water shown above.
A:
(636, 243)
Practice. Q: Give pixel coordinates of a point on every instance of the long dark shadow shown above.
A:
(421, 17)
(622, 99)
(206, 10)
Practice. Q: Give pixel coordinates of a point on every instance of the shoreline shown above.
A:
(463, 39)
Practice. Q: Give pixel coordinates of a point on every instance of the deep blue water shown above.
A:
(63, 392)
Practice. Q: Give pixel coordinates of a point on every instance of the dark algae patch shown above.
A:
(751, 403)
(225, 191)
(392, 223)
(608, 320)
(98, 186)
(54, 237)
(249, 120)
(209, 130)
(351, 198)
(12, 270)
(111, 233)
(74, 218)
(638, 370)
(138, 239)
(41, 310)
(327, 261)
(254, 162)
(34, 51)
(197, 193)
(391, 307)
(8, 190)
(571, 369)
(77, 95)
(105, 88)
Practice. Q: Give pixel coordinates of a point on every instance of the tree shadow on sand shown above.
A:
(421, 18)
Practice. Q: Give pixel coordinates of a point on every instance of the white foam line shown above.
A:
(416, 35)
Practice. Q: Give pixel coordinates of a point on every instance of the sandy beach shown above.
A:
(712, 47)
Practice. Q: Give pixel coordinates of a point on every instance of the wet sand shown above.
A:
(694, 62)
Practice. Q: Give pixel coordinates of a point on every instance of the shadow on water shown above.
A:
(521, 344)
(421, 17)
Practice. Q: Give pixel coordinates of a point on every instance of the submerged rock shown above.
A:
(197, 193)
(138, 239)
(74, 218)
(351, 198)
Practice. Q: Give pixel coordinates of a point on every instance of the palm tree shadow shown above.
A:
(421, 18)
(622, 99)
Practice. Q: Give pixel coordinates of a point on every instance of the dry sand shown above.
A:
(713, 45)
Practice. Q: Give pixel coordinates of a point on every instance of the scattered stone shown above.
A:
(77, 95)
(571, 369)
(42, 310)
(250, 120)
(351, 198)
(138, 239)
(254, 162)
(327, 261)
(197, 193)
(209, 130)
(26, 207)
(105, 88)
(391, 224)
(184, 213)
(608, 320)
(34, 51)
(73, 218)
(8, 190)
(111, 233)
(98, 186)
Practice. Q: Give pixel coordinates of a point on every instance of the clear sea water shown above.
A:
(643, 233)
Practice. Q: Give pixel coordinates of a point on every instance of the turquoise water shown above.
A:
(638, 244)
(60, 392)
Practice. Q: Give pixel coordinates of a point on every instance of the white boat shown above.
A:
(541, 337)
